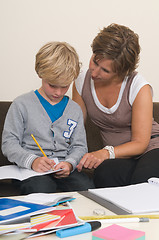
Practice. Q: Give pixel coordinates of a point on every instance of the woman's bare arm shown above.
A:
(78, 99)
(141, 125)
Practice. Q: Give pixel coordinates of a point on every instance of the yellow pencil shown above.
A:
(38, 145)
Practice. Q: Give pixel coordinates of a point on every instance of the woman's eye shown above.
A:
(105, 70)
(95, 62)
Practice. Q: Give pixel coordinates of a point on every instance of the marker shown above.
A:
(38, 145)
(124, 220)
(87, 227)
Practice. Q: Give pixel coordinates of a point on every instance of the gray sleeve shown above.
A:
(12, 138)
(78, 146)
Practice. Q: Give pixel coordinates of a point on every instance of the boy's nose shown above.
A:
(58, 91)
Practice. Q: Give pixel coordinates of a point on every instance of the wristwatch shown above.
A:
(111, 151)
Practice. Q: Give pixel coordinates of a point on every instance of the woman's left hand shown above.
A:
(93, 159)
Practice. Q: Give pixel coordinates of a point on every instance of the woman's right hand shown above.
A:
(93, 159)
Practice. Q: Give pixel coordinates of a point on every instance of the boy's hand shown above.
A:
(42, 164)
(66, 169)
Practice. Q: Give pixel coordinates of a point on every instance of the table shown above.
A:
(84, 207)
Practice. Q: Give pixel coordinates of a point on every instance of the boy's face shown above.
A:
(53, 93)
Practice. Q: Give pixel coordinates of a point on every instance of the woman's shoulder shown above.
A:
(80, 80)
(139, 78)
(137, 83)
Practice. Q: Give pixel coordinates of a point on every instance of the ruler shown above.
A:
(155, 216)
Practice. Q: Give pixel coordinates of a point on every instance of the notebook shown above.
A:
(11, 210)
(137, 198)
(15, 172)
(51, 199)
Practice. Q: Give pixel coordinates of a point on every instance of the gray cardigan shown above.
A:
(65, 138)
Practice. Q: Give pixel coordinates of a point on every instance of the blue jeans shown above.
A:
(76, 181)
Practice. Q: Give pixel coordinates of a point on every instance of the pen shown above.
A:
(38, 145)
(124, 220)
(86, 227)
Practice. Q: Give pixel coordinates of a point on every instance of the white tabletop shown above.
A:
(85, 207)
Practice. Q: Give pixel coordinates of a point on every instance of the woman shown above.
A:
(119, 101)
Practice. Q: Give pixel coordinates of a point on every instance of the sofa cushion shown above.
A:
(4, 106)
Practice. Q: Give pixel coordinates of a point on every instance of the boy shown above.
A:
(54, 120)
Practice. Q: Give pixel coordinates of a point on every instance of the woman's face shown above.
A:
(101, 70)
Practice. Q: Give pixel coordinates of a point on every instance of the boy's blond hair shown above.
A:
(57, 63)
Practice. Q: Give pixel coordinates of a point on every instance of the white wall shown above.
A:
(25, 25)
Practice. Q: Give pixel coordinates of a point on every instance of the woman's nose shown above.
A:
(95, 71)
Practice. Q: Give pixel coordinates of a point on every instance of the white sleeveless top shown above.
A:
(137, 84)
